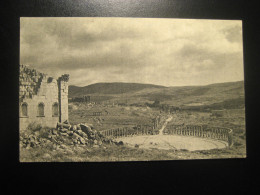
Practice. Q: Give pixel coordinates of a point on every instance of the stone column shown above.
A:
(63, 98)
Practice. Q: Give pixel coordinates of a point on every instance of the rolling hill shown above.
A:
(132, 93)
(109, 88)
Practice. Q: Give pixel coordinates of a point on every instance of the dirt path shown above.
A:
(173, 142)
(164, 125)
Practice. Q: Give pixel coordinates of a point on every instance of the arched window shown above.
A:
(40, 109)
(24, 109)
(55, 109)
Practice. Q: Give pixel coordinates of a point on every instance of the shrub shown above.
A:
(34, 127)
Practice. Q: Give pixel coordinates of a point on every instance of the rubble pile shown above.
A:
(81, 134)
(31, 140)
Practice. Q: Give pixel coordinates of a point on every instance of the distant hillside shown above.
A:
(214, 95)
(109, 88)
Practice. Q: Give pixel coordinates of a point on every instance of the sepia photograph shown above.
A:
(108, 89)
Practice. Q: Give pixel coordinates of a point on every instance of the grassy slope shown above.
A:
(217, 94)
(117, 117)
(109, 88)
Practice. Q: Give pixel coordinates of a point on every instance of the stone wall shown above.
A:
(37, 88)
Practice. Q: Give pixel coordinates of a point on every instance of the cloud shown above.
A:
(233, 34)
(201, 59)
(147, 50)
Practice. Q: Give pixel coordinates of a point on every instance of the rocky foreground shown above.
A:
(64, 135)
(82, 143)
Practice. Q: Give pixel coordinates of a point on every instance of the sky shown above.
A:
(161, 51)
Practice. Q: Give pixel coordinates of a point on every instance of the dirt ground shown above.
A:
(176, 142)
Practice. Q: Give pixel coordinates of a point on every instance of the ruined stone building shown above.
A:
(80, 99)
(42, 99)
